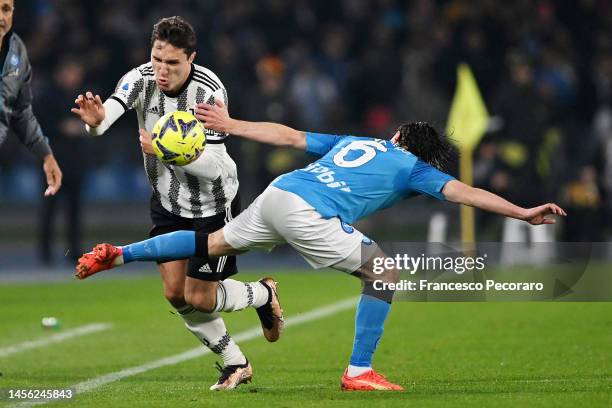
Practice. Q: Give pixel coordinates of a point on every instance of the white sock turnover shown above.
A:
(355, 371)
(233, 295)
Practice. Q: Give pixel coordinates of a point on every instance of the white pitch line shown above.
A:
(250, 334)
(56, 338)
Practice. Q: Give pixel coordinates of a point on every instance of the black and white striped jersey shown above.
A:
(180, 192)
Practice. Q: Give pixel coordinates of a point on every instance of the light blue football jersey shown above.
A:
(356, 176)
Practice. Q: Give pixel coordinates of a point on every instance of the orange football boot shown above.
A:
(99, 259)
(368, 381)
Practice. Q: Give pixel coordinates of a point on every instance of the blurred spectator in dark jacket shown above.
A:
(67, 135)
(268, 101)
(525, 118)
(582, 199)
(315, 95)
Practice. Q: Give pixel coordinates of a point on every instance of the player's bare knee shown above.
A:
(201, 294)
(175, 296)
(390, 275)
(374, 270)
(201, 302)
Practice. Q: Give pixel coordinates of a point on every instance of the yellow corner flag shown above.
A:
(467, 122)
(468, 118)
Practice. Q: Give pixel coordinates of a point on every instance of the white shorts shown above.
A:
(278, 217)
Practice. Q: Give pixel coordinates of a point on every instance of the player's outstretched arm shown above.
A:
(461, 193)
(216, 117)
(97, 116)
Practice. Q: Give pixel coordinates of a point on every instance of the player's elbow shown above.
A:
(458, 192)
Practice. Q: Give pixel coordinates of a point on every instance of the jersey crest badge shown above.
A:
(347, 227)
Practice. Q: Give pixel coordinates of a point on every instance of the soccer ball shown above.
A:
(178, 138)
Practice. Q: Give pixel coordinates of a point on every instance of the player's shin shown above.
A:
(210, 329)
(167, 247)
(369, 325)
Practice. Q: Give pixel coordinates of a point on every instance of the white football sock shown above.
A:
(234, 295)
(355, 371)
(210, 329)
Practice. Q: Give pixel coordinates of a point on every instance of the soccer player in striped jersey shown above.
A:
(201, 196)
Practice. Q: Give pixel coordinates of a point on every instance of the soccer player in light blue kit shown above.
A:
(311, 209)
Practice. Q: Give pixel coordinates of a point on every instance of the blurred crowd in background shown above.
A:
(347, 66)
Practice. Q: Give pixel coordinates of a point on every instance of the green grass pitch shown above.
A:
(444, 354)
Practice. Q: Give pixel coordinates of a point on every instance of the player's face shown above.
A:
(170, 64)
(6, 16)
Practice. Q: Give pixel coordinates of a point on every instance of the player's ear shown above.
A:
(396, 137)
(192, 57)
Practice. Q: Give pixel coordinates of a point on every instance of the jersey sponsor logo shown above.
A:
(348, 228)
(125, 86)
(205, 268)
(210, 132)
(326, 176)
(366, 241)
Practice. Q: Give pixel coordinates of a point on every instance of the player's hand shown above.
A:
(90, 109)
(538, 215)
(215, 117)
(53, 174)
(146, 142)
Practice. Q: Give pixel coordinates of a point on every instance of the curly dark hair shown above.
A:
(424, 141)
(177, 32)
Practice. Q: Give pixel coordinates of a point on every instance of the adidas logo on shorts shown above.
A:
(205, 269)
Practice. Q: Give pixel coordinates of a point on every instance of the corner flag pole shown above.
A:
(468, 221)
(467, 122)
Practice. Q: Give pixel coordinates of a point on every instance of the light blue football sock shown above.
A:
(369, 325)
(166, 247)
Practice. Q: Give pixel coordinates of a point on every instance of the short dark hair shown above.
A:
(177, 32)
(424, 141)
